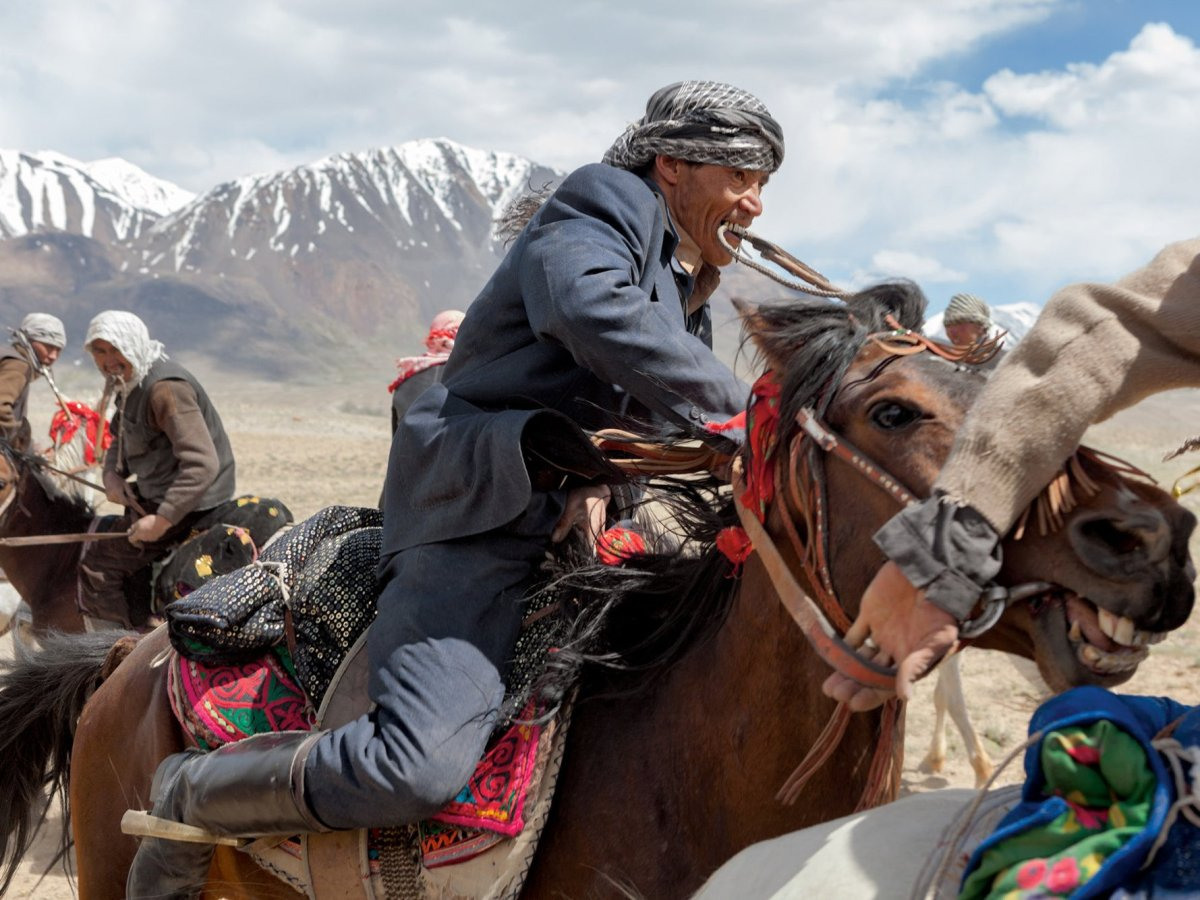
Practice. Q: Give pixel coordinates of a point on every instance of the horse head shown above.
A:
(1112, 559)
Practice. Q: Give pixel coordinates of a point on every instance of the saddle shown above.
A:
(280, 645)
(227, 538)
(433, 859)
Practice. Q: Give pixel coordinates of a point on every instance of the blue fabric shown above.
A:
(582, 325)
(1176, 869)
(439, 650)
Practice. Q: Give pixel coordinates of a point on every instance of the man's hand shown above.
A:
(905, 628)
(149, 529)
(585, 511)
(116, 489)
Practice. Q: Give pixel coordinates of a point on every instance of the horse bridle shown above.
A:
(824, 619)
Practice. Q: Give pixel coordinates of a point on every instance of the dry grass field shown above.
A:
(322, 444)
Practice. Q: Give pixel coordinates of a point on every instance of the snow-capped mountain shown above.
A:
(110, 200)
(292, 268)
(1015, 318)
(397, 232)
(416, 191)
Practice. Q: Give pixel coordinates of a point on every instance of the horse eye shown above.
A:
(890, 415)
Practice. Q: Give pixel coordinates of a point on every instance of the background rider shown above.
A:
(168, 435)
(35, 347)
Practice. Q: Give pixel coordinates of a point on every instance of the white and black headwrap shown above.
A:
(703, 122)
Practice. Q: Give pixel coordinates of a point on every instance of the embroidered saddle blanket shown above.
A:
(481, 844)
(280, 644)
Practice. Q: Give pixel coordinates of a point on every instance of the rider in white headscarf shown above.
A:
(168, 435)
(129, 335)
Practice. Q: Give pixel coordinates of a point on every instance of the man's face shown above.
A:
(47, 354)
(963, 334)
(702, 197)
(110, 361)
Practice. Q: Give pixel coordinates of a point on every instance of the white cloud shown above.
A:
(891, 264)
(1033, 178)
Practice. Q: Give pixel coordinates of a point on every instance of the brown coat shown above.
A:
(16, 374)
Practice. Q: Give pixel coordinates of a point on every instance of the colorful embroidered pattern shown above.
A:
(221, 704)
(494, 798)
(445, 845)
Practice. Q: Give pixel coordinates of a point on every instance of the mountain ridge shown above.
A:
(300, 270)
(270, 272)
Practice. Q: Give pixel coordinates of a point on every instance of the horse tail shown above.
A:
(42, 693)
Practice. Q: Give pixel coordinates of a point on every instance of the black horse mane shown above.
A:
(641, 617)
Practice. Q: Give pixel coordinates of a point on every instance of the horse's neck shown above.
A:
(715, 737)
(41, 574)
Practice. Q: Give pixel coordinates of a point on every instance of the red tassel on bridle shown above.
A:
(762, 422)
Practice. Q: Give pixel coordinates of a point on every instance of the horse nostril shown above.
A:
(1124, 543)
(1112, 536)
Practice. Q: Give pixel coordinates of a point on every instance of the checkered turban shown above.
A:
(702, 122)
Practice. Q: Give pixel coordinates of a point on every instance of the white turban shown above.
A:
(45, 328)
(128, 334)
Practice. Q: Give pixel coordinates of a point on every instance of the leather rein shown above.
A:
(37, 540)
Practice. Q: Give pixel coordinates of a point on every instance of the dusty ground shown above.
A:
(318, 445)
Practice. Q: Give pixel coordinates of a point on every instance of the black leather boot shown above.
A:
(249, 789)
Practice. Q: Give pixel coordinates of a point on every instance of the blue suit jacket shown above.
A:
(582, 325)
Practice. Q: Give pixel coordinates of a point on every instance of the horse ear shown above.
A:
(744, 307)
(755, 329)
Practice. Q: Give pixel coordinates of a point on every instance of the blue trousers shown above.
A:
(439, 649)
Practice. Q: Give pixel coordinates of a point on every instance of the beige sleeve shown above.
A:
(175, 411)
(1093, 351)
(14, 378)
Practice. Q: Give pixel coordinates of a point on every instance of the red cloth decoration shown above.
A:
(438, 344)
(411, 365)
(618, 544)
(762, 418)
(63, 428)
(735, 544)
(738, 421)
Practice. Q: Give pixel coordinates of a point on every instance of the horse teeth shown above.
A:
(1075, 635)
(1145, 638)
(1099, 661)
(1120, 628)
(1108, 621)
(1124, 632)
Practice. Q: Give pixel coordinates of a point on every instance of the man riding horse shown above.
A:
(35, 347)
(168, 434)
(1096, 349)
(597, 316)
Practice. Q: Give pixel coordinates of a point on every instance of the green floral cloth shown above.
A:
(1107, 787)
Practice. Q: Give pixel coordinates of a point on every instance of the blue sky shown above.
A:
(1004, 147)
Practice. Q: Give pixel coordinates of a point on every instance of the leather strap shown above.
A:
(816, 628)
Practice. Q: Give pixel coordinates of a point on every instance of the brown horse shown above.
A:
(673, 768)
(44, 575)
